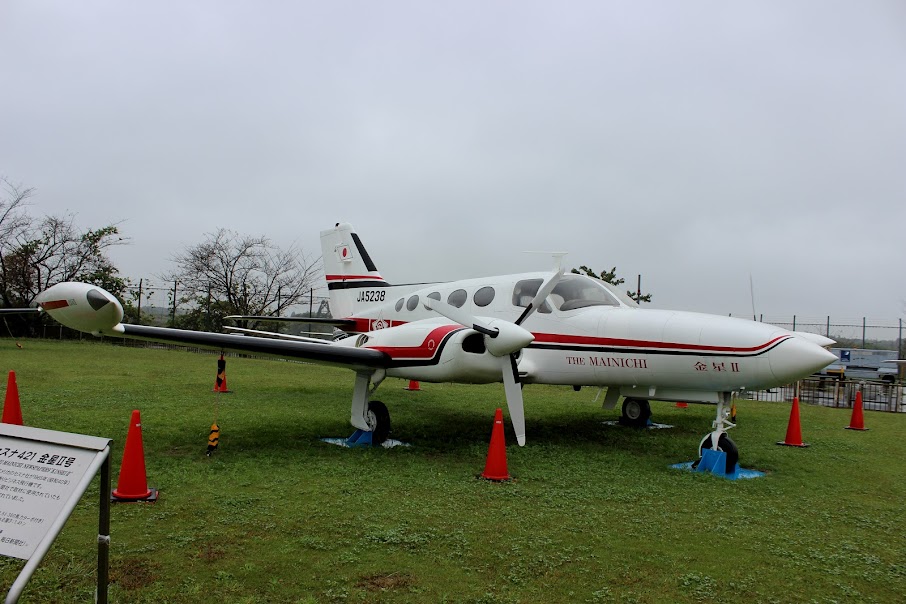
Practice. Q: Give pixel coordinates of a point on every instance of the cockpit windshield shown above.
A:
(577, 291)
(572, 292)
(622, 294)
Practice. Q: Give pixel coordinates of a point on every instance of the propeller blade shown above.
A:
(503, 339)
(460, 316)
(513, 391)
(546, 288)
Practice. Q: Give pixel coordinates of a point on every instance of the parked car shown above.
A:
(860, 363)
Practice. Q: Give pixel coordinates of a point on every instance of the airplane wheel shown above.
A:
(378, 421)
(636, 412)
(725, 444)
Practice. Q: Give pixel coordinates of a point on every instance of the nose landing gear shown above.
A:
(718, 439)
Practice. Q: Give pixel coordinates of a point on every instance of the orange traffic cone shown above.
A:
(220, 384)
(793, 430)
(413, 386)
(12, 412)
(856, 422)
(495, 466)
(133, 483)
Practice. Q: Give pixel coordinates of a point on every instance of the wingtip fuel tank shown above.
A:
(82, 306)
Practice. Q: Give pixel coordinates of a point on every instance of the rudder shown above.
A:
(347, 268)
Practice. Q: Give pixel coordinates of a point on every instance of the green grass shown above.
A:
(594, 514)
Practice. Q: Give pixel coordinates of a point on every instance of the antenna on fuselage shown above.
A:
(557, 256)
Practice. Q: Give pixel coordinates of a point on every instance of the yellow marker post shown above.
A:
(213, 439)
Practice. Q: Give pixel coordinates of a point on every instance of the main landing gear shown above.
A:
(718, 439)
(378, 419)
(636, 412)
(370, 418)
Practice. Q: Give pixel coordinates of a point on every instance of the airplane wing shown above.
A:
(322, 352)
(90, 309)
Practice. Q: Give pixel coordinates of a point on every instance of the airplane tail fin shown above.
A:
(348, 268)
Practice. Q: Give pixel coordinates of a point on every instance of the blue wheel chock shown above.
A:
(359, 438)
(716, 463)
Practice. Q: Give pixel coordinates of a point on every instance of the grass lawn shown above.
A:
(595, 513)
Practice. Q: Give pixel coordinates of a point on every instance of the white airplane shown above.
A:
(533, 328)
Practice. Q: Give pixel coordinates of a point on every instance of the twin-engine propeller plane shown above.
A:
(534, 328)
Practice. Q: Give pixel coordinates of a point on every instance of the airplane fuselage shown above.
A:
(605, 341)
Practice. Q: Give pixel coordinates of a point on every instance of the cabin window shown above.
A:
(525, 291)
(457, 298)
(576, 291)
(484, 296)
(412, 303)
(433, 296)
(399, 304)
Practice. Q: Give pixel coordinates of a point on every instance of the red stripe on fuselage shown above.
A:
(556, 338)
(353, 277)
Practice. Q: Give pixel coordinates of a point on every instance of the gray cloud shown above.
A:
(696, 143)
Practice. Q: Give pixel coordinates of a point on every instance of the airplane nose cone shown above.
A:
(796, 358)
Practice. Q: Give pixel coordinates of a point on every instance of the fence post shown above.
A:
(863, 332)
(900, 340)
(173, 324)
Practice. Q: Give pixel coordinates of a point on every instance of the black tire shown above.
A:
(725, 444)
(379, 421)
(636, 412)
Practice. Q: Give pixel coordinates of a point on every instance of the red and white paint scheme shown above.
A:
(533, 328)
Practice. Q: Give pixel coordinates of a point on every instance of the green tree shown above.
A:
(611, 277)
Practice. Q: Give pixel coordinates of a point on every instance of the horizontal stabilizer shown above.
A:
(349, 323)
(283, 336)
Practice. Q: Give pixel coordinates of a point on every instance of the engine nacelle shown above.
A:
(433, 351)
(81, 306)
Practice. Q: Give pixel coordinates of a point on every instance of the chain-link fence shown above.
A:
(158, 302)
(840, 393)
(850, 332)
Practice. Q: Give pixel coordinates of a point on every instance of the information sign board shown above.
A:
(43, 474)
(36, 481)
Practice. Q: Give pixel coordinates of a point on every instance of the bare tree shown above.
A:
(230, 273)
(37, 253)
(13, 218)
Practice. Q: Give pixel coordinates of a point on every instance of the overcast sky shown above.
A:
(694, 143)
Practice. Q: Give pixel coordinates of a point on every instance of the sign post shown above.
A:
(43, 475)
